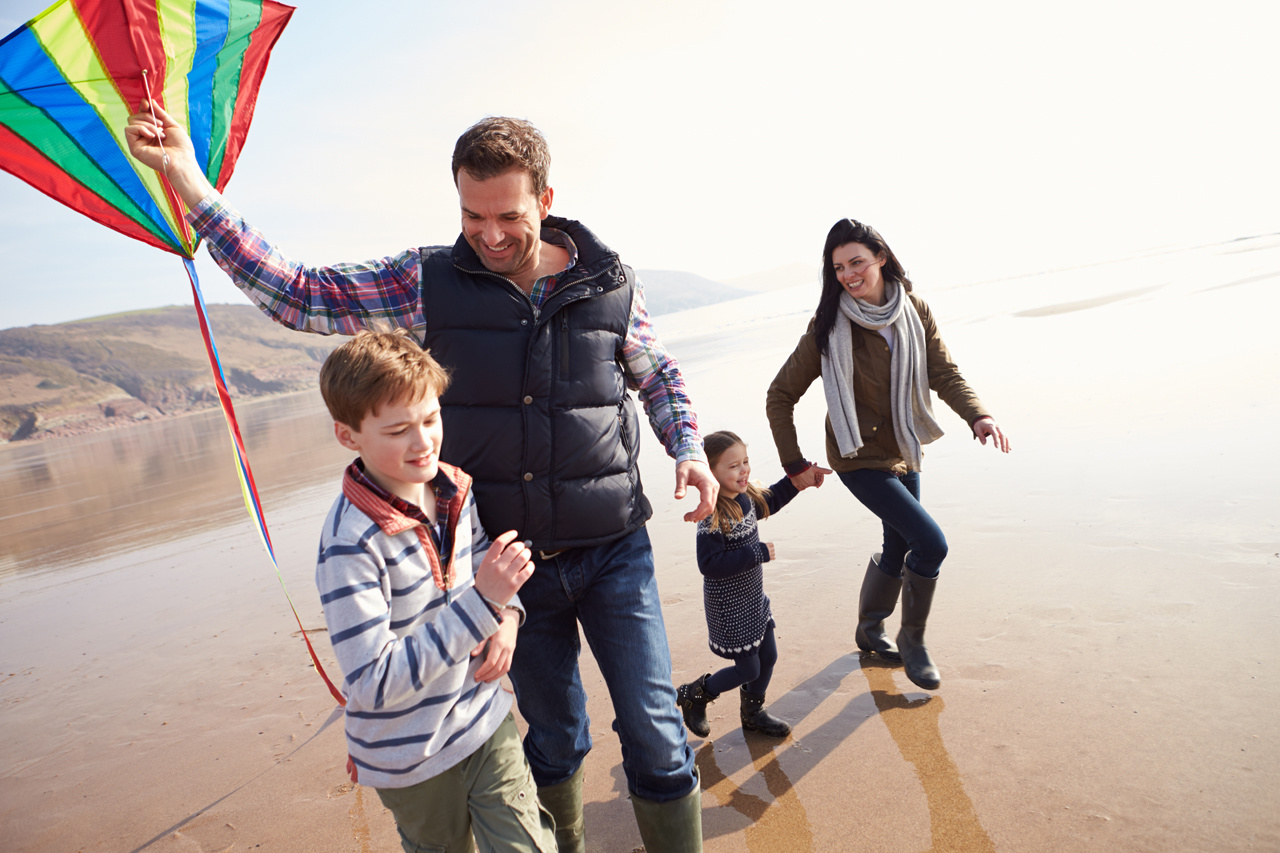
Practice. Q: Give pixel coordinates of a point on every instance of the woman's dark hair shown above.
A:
(843, 232)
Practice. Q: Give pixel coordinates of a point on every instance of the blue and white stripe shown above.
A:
(414, 708)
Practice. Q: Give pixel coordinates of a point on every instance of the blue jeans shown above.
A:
(907, 527)
(611, 590)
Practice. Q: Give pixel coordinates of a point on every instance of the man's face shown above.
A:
(502, 220)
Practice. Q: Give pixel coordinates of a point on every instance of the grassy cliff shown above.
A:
(106, 371)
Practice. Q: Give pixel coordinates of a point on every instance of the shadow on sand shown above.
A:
(779, 821)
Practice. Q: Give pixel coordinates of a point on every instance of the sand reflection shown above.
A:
(913, 724)
(779, 825)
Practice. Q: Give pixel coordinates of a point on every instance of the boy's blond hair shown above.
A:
(375, 368)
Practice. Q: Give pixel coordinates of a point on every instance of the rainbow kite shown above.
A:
(70, 78)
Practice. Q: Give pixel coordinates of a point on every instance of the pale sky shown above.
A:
(723, 139)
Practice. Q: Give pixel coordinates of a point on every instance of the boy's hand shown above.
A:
(352, 771)
(501, 645)
(506, 567)
(772, 555)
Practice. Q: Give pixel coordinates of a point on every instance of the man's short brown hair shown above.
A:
(375, 368)
(496, 145)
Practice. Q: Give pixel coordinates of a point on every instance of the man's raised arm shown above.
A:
(342, 299)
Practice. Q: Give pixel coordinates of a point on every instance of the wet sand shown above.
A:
(1105, 624)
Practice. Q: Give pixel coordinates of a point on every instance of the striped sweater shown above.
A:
(414, 708)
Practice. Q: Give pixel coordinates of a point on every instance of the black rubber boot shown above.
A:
(917, 599)
(875, 603)
(693, 699)
(564, 801)
(756, 719)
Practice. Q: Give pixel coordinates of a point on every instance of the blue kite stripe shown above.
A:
(26, 68)
(212, 19)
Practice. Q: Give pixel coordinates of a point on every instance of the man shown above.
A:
(543, 330)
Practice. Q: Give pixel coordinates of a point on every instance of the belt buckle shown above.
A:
(547, 555)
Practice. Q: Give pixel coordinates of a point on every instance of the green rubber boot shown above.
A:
(564, 801)
(674, 827)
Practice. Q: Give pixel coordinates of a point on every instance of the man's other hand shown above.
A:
(691, 472)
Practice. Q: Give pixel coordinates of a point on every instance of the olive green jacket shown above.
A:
(871, 396)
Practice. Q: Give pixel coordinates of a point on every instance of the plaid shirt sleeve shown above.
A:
(340, 299)
(655, 376)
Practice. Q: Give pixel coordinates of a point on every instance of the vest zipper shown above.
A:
(564, 345)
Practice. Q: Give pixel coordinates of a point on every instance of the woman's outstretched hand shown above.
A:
(984, 428)
(811, 476)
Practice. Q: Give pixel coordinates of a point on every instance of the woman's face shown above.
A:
(858, 271)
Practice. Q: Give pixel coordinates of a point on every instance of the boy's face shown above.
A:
(400, 445)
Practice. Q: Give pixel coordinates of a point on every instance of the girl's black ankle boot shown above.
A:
(693, 699)
(756, 719)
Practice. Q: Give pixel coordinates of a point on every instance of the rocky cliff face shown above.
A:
(110, 371)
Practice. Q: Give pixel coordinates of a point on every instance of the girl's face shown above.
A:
(858, 271)
(732, 470)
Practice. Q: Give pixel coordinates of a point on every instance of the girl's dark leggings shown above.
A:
(752, 671)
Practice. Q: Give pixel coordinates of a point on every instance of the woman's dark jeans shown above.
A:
(907, 527)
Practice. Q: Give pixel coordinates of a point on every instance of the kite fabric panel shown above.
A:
(71, 76)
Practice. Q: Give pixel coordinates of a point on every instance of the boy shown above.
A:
(427, 723)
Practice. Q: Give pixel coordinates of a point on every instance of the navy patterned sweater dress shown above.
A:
(732, 566)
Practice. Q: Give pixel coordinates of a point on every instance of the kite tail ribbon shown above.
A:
(247, 487)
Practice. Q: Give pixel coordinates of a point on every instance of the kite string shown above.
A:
(151, 105)
(248, 488)
(175, 204)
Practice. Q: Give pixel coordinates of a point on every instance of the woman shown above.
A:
(876, 346)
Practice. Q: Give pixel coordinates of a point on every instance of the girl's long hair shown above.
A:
(728, 512)
(843, 232)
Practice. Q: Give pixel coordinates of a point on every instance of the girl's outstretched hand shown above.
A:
(986, 427)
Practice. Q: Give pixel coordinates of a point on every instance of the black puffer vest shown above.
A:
(538, 411)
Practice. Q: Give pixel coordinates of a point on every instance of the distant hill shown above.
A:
(667, 291)
(104, 372)
(94, 374)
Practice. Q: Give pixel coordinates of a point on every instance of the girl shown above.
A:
(877, 348)
(730, 557)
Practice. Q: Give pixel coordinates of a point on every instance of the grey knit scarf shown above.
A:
(913, 422)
